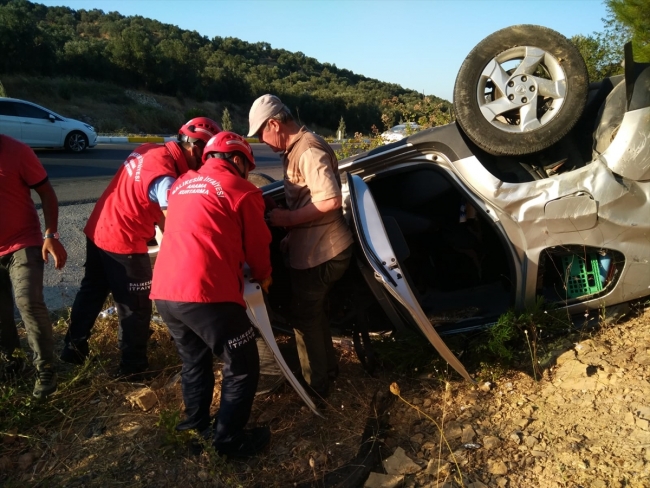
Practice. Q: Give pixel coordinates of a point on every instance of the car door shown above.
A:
(39, 127)
(374, 241)
(10, 123)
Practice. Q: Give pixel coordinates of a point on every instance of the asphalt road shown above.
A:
(81, 178)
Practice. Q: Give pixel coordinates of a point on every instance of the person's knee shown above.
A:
(31, 306)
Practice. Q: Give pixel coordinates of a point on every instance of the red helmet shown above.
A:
(201, 128)
(227, 142)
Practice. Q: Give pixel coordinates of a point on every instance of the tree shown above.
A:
(632, 19)
(3, 92)
(226, 122)
(603, 58)
(340, 132)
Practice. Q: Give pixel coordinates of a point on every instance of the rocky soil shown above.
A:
(585, 424)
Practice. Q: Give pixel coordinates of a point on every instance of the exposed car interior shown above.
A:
(452, 256)
(455, 262)
(568, 274)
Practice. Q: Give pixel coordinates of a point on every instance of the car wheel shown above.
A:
(76, 142)
(260, 179)
(520, 90)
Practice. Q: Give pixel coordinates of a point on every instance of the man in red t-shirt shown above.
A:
(215, 225)
(117, 233)
(23, 252)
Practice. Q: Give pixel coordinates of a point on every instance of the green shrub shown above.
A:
(194, 112)
(516, 332)
(359, 143)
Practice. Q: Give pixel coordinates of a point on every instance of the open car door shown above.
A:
(258, 315)
(377, 248)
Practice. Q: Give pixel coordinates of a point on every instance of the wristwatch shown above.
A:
(51, 236)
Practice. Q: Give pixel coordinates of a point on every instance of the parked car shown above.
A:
(400, 131)
(37, 126)
(540, 188)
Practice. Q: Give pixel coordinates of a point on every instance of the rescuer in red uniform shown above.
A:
(117, 233)
(215, 225)
(23, 251)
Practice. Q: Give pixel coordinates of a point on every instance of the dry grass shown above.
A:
(90, 434)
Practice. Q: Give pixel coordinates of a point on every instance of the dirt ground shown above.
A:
(586, 423)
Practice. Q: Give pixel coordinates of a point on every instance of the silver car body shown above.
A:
(596, 213)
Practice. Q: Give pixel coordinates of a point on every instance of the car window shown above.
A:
(30, 111)
(7, 108)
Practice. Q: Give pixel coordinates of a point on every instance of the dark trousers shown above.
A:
(313, 337)
(128, 277)
(223, 329)
(24, 270)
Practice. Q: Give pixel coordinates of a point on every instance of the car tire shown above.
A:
(520, 90)
(76, 142)
(260, 179)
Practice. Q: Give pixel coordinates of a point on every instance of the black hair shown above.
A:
(227, 156)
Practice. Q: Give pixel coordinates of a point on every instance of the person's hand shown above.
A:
(269, 203)
(265, 283)
(280, 217)
(284, 245)
(56, 249)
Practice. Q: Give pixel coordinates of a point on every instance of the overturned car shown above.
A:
(540, 188)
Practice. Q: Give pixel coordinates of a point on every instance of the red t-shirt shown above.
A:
(215, 223)
(123, 218)
(20, 170)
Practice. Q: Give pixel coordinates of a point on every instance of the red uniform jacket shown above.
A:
(123, 218)
(215, 223)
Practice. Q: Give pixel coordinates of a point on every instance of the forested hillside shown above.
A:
(143, 54)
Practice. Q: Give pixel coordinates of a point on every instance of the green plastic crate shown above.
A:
(581, 276)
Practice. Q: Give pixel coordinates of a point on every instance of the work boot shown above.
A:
(246, 444)
(191, 425)
(133, 373)
(45, 382)
(74, 353)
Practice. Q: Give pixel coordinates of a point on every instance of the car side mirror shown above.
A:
(52, 118)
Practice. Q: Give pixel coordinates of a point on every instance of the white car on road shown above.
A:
(399, 132)
(37, 126)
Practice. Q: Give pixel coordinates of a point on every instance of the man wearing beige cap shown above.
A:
(319, 242)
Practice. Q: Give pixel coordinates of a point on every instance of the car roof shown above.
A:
(404, 125)
(7, 99)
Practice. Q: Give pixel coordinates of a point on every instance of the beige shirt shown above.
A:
(311, 174)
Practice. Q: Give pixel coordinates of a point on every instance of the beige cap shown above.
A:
(262, 110)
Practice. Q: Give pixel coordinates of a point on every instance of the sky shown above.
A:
(418, 44)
